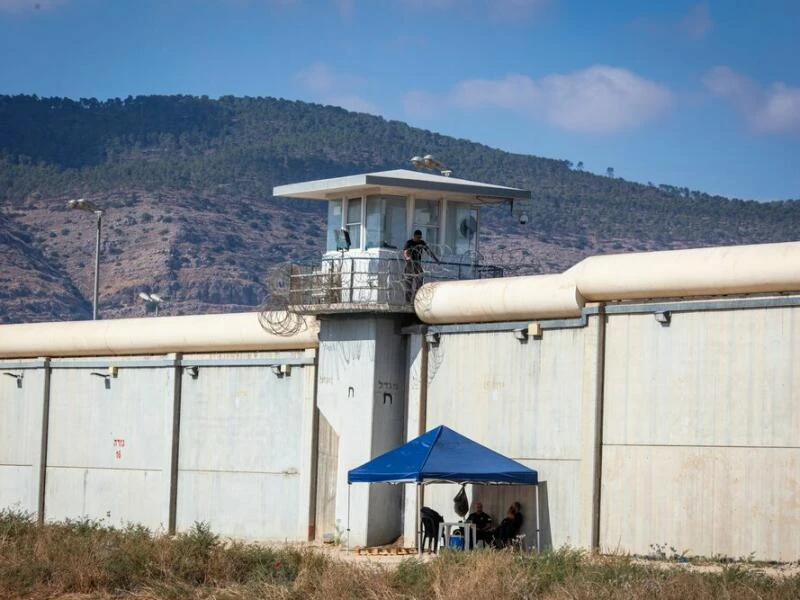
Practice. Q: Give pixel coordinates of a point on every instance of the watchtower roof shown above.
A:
(403, 182)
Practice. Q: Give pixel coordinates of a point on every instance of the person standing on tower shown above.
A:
(412, 252)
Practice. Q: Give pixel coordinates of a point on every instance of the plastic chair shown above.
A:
(518, 543)
(430, 527)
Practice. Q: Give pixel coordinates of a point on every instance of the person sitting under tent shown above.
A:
(509, 527)
(483, 525)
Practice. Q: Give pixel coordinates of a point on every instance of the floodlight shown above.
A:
(663, 316)
(151, 300)
(83, 204)
(342, 239)
(432, 337)
(429, 162)
(17, 376)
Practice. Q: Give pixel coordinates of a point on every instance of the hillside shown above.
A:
(186, 183)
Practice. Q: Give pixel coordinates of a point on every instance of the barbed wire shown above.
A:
(274, 314)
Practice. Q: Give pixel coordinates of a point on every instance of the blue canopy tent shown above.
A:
(441, 456)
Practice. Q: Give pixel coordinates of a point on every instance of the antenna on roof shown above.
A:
(430, 163)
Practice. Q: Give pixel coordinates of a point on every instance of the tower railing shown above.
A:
(347, 283)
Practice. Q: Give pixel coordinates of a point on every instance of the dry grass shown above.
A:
(83, 560)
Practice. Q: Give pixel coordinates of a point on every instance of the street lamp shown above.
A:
(89, 206)
(151, 300)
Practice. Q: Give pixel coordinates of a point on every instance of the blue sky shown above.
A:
(701, 95)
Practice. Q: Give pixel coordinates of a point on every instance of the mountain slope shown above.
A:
(186, 183)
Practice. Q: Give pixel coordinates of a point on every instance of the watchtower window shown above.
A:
(335, 222)
(462, 227)
(354, 221)
(426, 219)
(386, 221)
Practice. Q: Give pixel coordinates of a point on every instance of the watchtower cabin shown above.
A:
(370, 218)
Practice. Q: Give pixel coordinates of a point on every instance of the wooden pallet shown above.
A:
(386, 551)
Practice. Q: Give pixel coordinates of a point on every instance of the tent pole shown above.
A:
(418, 519)
(348, 516)
(538, 523)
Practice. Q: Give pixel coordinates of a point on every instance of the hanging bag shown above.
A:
(461, 502)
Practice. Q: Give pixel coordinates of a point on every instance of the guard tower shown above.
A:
(358, 291)
(371, 216)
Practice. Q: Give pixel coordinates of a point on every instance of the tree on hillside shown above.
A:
(610, 171)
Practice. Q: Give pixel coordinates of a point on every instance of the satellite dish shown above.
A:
(155, 297)
(144, 296)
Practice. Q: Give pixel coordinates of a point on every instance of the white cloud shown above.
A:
(597, 100)
(338, 89)
(23, 6)
(774, 109)
(697, 24)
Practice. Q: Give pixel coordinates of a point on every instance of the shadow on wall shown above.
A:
(545, 534)
(497, 498)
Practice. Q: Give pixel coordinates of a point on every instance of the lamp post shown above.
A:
(88, 206)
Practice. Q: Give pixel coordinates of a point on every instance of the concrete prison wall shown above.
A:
(683, 428)
(649, 423)
(162, 439)
(532, 400)
(701, 432)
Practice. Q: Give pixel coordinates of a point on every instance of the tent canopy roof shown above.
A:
(443, 455)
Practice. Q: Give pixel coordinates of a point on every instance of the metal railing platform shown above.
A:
(348, 284)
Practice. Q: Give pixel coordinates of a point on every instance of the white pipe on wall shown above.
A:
(502, 299)
(669, 274)
(697, 272)
(154, 335)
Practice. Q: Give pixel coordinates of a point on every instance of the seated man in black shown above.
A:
(483, 524)
(509, 527)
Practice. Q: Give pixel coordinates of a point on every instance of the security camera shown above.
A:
(523, 219)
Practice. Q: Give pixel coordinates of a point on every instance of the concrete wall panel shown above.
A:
(701, 433)
(345, 390)
(21, 406)
(706, 500)
(249, 506)
(109, 443)
(327, 477)
(114, 496)
(244, 457)
(525, 400)
(522, 399)
(388, 414)
(728, 378)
